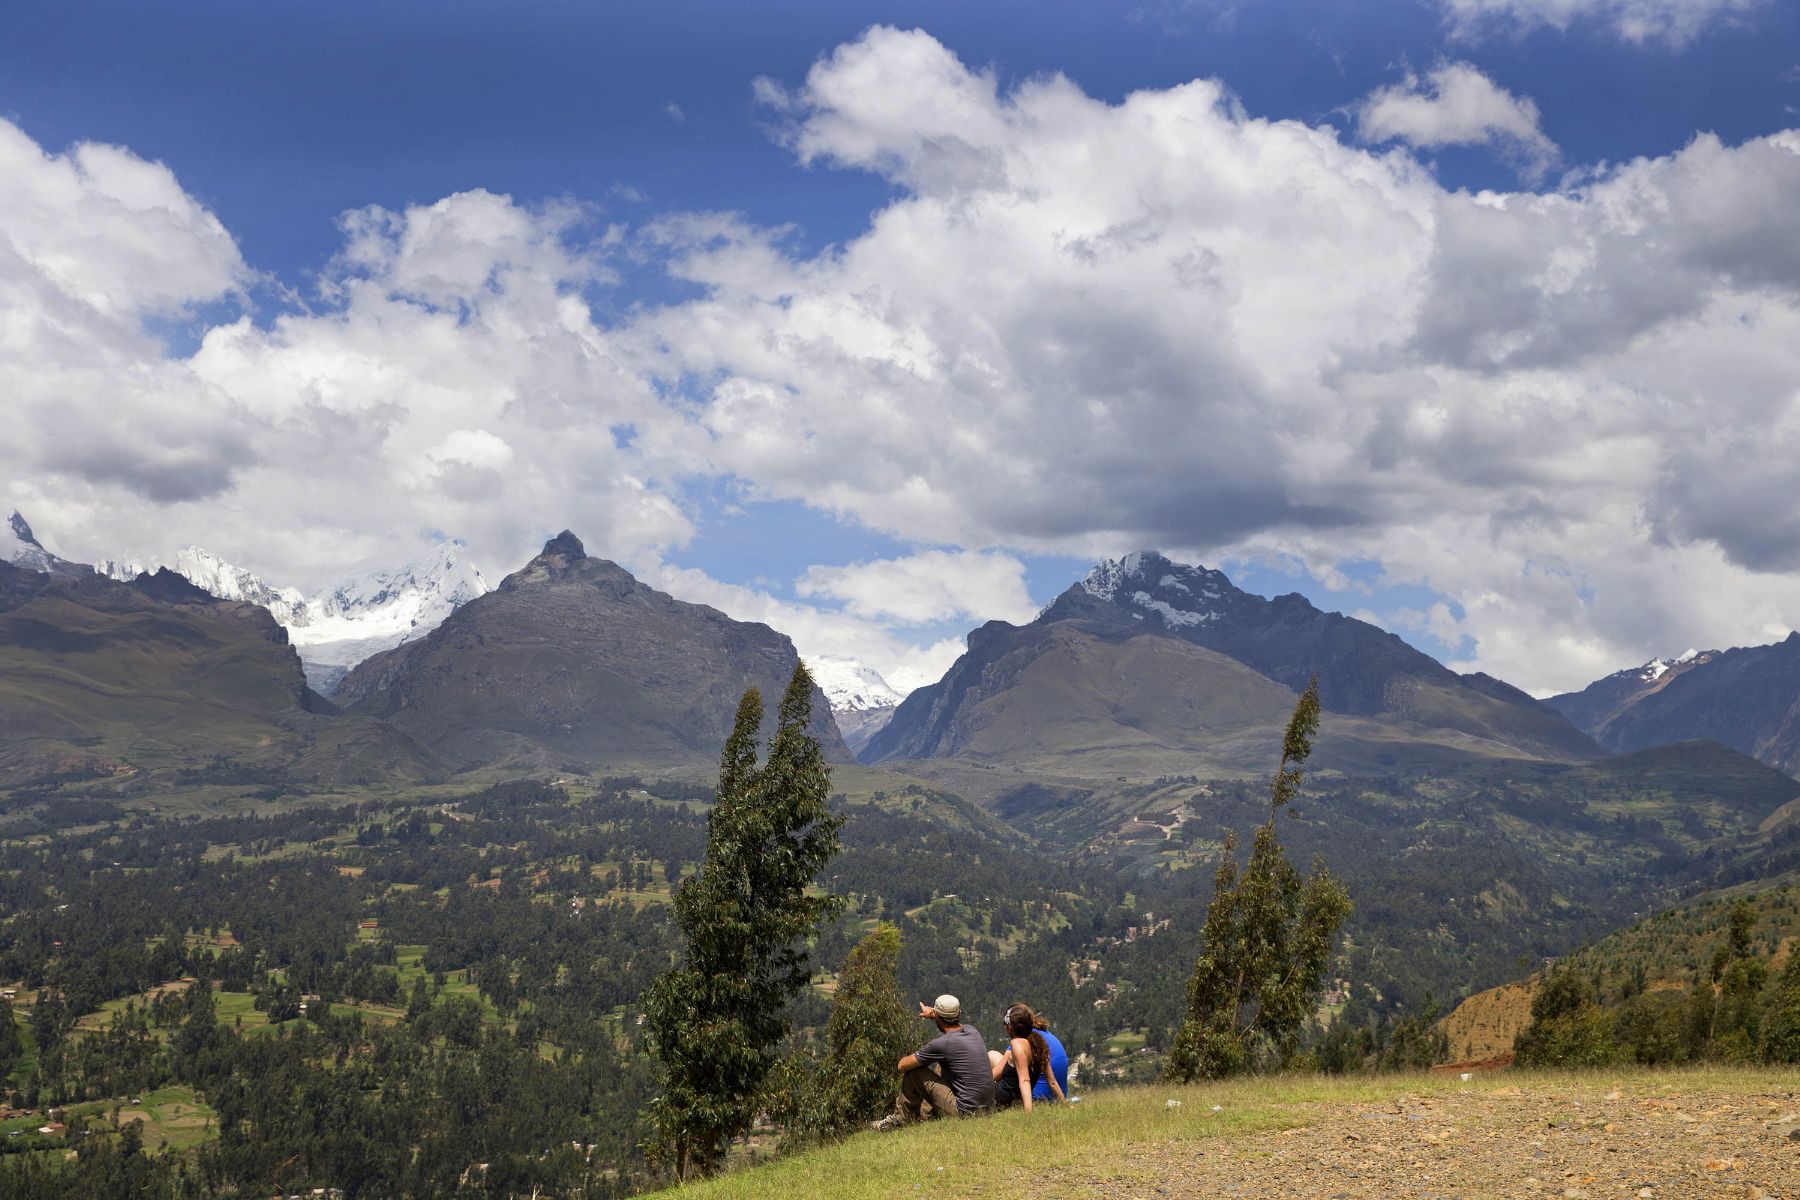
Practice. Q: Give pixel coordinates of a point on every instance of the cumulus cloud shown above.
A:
(110, 235)
(1086, 325)
(1456, 105)
(93, 242)
(905, 662)
(933, 585)
(451, 376)
(1672, 22)
(1078, 326)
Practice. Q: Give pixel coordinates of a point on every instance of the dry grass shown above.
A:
(1102, 1140)
(1485, 1025)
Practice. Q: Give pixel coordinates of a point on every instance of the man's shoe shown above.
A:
(888, 1123)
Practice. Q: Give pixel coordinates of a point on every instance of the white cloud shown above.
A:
(904, 662)
(1078, 327)
(472, 448)
(92, 243)
(930, 586)
(1673, 22)
(452, 379)
(1084, 325)
(1456, 105)
(107, 235)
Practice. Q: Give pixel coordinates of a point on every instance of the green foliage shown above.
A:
(1265, 944)
(1726, 1005)
(1652, 1028)
(868, 1032)
(1567, 1029)
(1417, 1042)
(1296, 747)
(1781, 1029)
(714, 1017)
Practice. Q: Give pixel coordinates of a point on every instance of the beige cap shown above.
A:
(949, 1008)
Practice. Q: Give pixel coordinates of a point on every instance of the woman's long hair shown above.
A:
(1021, 1022)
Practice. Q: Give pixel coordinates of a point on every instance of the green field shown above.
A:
(170, 1116)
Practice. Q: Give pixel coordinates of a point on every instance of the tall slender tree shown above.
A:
(1266, 942)
(852, 1081)
(714, 1017)
(1781, 1031)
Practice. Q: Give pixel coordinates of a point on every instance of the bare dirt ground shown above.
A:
(1569, 1142)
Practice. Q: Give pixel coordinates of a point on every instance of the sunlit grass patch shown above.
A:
(1098, 1144)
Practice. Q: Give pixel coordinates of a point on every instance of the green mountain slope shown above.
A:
(104, 679)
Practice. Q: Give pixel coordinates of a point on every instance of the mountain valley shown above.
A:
(513, 793)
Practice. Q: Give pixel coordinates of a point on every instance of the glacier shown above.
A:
(334, 630)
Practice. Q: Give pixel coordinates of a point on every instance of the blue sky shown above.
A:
(282, 115)
(278, 117)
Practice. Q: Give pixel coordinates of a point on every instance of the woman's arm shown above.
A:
(1000, 1062)
(1055, 1087)
(1021, 1059)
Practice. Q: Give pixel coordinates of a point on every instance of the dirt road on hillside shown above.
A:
(1572, 1143)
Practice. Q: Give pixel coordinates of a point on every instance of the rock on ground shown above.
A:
(1568, 1142)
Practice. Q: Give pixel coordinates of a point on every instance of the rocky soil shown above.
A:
(1569, 1142)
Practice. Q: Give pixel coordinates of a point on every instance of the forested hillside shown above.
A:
(293, 988)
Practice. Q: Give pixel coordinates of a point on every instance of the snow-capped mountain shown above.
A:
(210, 573)
(380, 609)
(1747, 698)
(338, 628)
(1656, 668)
(850, 685)
(20, 548)
(1179, 594)
(1600, 707)
(861, 700)
(1132, 652)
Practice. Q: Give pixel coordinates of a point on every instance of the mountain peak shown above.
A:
(20, 547)
(1149, 584)
(1656, 668)
(1102, 583)
(852, 685)
(572, 659)
(21, 530)
(564, 545)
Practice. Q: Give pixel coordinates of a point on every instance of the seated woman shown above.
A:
(1024, 1063)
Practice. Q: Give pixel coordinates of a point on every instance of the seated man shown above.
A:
(948, 1074)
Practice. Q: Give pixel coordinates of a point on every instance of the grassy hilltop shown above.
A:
(1708, 1132)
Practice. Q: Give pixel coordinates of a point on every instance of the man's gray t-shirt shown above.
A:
(962, 1057)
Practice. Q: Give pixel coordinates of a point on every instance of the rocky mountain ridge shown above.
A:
(572, 660)
(20, 548)
(1215, 671)
(156, 677)
(1747, 697)
(367, 613)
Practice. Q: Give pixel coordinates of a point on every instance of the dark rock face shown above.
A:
(572, 660)
(1362, 670)
(1595, 707)
(1748, 698)
(18, 585)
